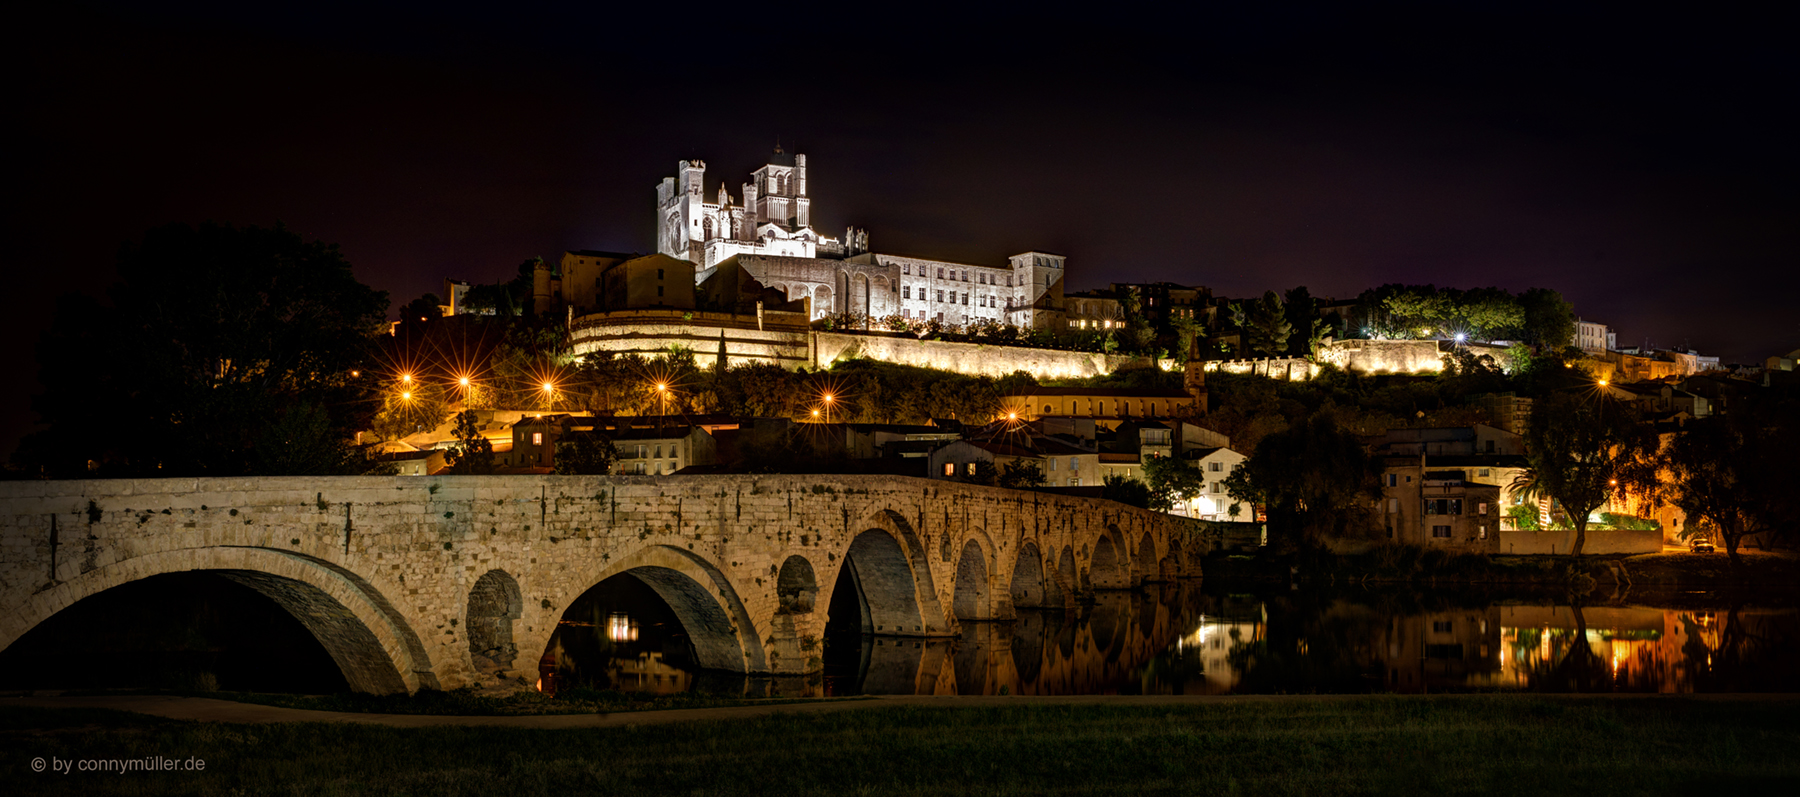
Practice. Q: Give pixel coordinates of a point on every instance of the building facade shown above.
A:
(769, 230)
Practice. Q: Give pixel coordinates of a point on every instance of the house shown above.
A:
(662, 451)
(958, 460)
(1107, 404)
(1213, 503)
(1438, 508)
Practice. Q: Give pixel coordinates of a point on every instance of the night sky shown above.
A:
(1643, 162)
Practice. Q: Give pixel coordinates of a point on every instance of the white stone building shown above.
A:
(770, 233)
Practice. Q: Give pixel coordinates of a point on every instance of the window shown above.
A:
(1073, 464)
(940, 273)
(1393, 506)
(1218, 488)
(906, 268)
(965, 300)
(1483, 532)
(1481, 508)
(1053, 464)
(659, 290)
(940, 295)
(1443, 506)
(659, 451)
(1009, 281)
(537, 438)
(659, 273)
(1483, 473)
(640, 455)
(949, 469)
(1215, 467)
(971, 469)
(1441, 532)
(659, 468)
(638, 468)
(965, 275)
(906, 292)
(1440, 626)
(1393, 480)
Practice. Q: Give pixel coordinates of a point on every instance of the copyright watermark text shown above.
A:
(153, 763)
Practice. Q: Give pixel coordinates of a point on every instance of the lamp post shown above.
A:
(549, 396)
(662, 399)
(828, 399)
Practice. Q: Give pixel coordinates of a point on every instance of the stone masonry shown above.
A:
(443, 582)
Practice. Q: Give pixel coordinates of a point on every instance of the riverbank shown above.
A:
(1527, 575)
(1327, 745)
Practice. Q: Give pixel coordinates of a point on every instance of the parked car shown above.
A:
(1701, 545)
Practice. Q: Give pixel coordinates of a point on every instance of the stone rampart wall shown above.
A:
(791, 345)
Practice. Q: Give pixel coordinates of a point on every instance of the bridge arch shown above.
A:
(1066, 572)
(888, 568)
(1144, 562)
(374, 646)
(1107, 568)
(1030, 586)
(701, 597)
(973, 597)
(795, 586)
(493, 607)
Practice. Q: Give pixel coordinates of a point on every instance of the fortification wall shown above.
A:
(785, 340)
(973, 359)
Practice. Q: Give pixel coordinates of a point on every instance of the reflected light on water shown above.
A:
(620, 628)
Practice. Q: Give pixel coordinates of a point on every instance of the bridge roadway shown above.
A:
(449, 581)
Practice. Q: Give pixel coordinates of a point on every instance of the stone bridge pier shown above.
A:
(442, 582)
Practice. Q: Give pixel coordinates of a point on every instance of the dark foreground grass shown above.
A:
(1373, 745)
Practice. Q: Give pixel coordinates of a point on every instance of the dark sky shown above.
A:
(1640, 160)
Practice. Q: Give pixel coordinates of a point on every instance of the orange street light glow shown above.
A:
(406, 396)
(660, 387)
(827, 398)
(464, 381)
(549, 388)
(407, 378)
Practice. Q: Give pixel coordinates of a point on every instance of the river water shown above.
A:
(1178, 638)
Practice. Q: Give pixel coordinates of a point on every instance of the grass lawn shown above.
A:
(1365, 745)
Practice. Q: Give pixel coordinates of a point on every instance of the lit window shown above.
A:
(537, 438)
(949, 469)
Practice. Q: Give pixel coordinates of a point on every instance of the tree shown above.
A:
(1737, 472)
(1171, 482)
(301, 443)
(1021, 475)
(1265, 325)
(1313, 480)
(1580, 445)
(213, 334)
(585, 454)
(1548, 319)
(1125, 490)
(472, 454)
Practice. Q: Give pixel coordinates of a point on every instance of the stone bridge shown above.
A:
(444, 582)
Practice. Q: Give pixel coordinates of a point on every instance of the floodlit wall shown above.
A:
(1559, 542)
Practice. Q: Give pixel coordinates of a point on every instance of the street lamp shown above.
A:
(662, 398)
(828, 398)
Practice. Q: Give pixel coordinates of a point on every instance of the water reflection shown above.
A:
(1179, 639)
